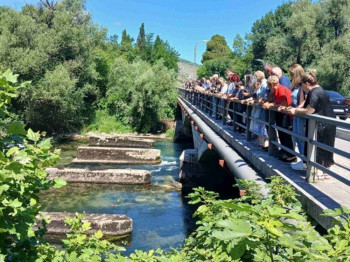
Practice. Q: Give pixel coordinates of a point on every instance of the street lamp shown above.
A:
(195, 49)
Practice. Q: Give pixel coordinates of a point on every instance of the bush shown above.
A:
(55, 104)
(140, 94)
(106, 123)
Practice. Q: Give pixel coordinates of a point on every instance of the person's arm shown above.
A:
(301, 111)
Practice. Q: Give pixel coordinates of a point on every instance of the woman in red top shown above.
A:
(282, 98)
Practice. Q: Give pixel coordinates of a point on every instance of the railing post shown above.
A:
(272, 133)
(249, 113)
(234, 116)
(210, 105)
(216, 107)
(224, 112)
(311, 150)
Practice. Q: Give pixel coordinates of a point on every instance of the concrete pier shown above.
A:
(121, 141)
(110, 225)
(109, 155)
(108, 176)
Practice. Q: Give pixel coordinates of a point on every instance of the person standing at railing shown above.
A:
(222, 94)
(262, 94)
(240, 90)
(282, 79)
(268, 68)
(282, 98)
(299, 123)
(318, 102)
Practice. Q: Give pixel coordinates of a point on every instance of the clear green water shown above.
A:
(161, 218)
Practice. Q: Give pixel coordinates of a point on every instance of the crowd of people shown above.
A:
(291, 97)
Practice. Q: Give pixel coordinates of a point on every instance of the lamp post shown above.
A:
(195, 49)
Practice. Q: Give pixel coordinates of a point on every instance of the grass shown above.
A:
(170, 133)
(105, 123)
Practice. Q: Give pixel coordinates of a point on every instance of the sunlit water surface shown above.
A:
(161, 218)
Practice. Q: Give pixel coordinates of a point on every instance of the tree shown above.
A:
(216, 48)
(141, 38)
(162, 50)
(242, 55)
(272, 24)
(39, 42)
(215, 66)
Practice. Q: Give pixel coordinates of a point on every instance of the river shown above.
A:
(161, 217)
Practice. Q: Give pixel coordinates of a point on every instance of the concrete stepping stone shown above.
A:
(108, 176)
(110, 225)
(121, 141)
(111, 155)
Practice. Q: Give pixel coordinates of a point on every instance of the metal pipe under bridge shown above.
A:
(208, 113)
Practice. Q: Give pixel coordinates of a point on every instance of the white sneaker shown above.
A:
(300, 166)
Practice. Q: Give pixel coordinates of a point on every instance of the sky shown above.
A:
(181, 23)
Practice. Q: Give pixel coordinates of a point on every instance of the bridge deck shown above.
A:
(316, 197)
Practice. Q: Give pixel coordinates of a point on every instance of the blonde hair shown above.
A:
(309, 77)
(272, 80)
(296, 72)
(260, 76)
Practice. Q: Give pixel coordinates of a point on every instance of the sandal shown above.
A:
(319, 177)
(326, 176)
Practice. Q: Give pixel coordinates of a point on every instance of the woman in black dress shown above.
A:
(317, 102)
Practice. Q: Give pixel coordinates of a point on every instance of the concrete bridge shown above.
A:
(204, 117)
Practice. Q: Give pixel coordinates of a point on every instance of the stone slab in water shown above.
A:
(108, 176)
(121, 141)
(110, 225)
(111, 155)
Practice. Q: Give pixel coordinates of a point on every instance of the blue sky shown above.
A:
(181, 23)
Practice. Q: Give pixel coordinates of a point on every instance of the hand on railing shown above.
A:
(267, 105)
(284, 109)
(292, 110)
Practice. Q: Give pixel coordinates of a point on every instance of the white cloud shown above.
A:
(117, 24)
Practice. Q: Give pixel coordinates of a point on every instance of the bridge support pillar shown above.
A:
(188, 166)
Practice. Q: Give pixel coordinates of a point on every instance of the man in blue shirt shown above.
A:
(283, 80)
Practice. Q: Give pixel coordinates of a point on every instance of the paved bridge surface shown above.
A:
(315, 196)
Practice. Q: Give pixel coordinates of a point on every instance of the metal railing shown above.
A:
(220, 108)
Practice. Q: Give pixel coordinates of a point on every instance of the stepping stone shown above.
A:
(110, 225)
(121, 141)
(111, 155)
(108, 176)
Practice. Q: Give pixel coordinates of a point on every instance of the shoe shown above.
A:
(290, 159)
(283, 157)
(300, 166)
(266, 148)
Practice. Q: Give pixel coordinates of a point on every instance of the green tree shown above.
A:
(298, 43)
(215, 66)
(126, 46)
(162, 50)
(272, 24)
(216, 48)
(140, 94)
(242, 55)
(141, 39)
(36, 41)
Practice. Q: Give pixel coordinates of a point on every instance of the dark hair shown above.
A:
(309, 77)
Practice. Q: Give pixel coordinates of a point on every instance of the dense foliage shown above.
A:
(313, 34)
(67, 58)
(140, 94)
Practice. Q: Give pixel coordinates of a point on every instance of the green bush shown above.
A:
(55, 104)
(106, 123)
(140, 94)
